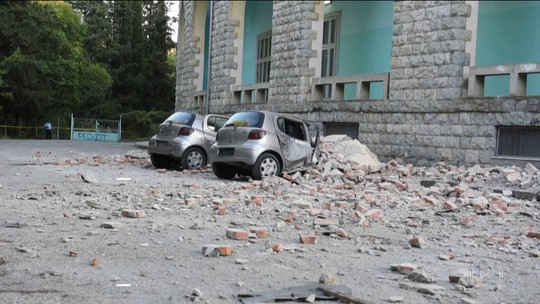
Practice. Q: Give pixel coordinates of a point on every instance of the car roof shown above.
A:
(271, 114)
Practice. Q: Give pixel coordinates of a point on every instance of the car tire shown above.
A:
(159, 161)
(266, 165)
(193, 158)
(223, 171)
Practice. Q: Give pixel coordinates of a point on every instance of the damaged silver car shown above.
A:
(261, 144)
(183, 140)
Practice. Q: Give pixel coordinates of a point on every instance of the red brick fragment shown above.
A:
(236, 234)
(308, 239)
(278, 248)
(222, 211)
(534, 234)
(94, 262)
(260, 232)
(217, 250)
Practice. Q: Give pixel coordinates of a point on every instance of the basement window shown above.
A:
(349, 129)
(518, 141)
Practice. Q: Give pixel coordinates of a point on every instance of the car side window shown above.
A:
(294, 129)
(220, 122)
(211, 122)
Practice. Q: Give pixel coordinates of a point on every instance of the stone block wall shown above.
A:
(186, 62)
(222, 54)
(292, 36)
(426, 119)
(460, 132)
(428, 50)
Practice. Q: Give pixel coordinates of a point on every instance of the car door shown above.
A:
(212, 124)
(295, 142)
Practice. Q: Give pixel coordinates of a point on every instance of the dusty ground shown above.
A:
(57, 199)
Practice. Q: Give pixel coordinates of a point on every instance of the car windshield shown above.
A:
(183, 118)
(246, 119)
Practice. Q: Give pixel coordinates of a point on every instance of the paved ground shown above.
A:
(69, 230)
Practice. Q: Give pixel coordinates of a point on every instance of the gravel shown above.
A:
(92, 222)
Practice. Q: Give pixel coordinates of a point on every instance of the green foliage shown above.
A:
(141, 124)
(42, 59)
(90, 58)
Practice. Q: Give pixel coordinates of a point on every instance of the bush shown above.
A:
(138, 125)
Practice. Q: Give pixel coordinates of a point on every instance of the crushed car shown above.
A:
(183, 140)
(261, 144)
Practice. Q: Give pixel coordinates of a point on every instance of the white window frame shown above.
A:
(331, 46)
(264, 57)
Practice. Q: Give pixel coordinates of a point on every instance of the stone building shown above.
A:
(418, 81)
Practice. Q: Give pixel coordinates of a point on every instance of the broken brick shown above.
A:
(373, 213)
(308, 239)
(278, 248)
(217, 250)
(94, 262)
(260, 232)
(534, 234)
(236, 234)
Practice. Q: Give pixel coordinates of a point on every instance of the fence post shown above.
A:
(120, 129)
(71, 128)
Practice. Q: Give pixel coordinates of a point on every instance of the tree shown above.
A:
(97, 41)
(158, 85)
(39, 59)
(42, 58)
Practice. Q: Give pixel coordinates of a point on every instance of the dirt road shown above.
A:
(90, 222)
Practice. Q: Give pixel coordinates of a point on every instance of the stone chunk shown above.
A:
(420, 277)
(323, 222)
(404, 268)
(133, 213)
(111, 225)
(329, 279)
(418, 242)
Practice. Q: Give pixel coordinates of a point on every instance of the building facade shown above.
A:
(416, 81)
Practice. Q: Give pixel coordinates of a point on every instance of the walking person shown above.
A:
(48, 130)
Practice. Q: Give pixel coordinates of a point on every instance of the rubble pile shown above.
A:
(424, 234)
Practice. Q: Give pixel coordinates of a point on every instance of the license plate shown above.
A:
(226, 151)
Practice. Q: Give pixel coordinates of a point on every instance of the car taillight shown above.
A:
(256, 134)
(185, 131)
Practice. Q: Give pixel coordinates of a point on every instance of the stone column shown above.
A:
(428, 52)
(222, 53)
(293, 35)
(186, 62)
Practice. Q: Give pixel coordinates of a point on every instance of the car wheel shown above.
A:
(159, 161)
(266, 165)
(193, 158)
(223, 171)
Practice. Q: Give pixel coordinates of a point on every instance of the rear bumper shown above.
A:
(174, 147)
(244, 154)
